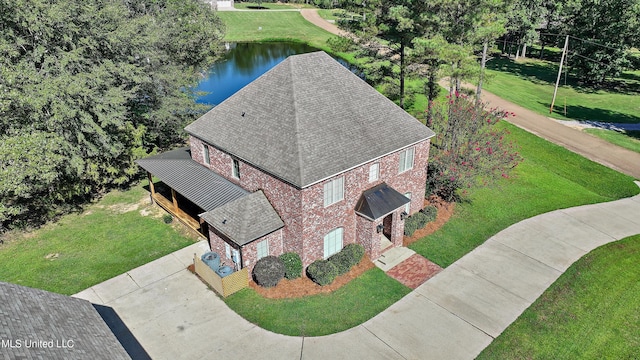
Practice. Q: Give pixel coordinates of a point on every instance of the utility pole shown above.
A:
(555, 91)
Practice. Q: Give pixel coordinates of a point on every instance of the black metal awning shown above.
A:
(379, 201)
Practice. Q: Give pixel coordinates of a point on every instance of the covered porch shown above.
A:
(185, 188)
(381, 217)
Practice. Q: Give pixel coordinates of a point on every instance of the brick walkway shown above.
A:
(414, 271)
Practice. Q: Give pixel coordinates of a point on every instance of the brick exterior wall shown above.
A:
(306, 219)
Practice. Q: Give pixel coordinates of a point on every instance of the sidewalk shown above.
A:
(454, 315)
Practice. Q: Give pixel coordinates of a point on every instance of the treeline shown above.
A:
(453, 37)
(87, 87)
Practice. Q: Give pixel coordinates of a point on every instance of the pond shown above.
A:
(241, 64)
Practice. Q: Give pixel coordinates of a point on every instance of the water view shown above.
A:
(241, 64)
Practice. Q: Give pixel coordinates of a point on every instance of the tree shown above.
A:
(468, 148)
(106, 80)
(602, 32)
(397, 21)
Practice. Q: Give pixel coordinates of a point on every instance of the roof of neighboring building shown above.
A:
(379, 201)
(307, 119)
(245, 219)
(200, 185)
(72, 326)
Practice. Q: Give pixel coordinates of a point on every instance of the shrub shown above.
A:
(342, 262)
(292, 265)
(268, 271)
(322, 272)
(430, 212)
(355, 251)
(419, 220)
(167, 218)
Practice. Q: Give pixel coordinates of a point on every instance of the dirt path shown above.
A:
(591, 147)
(311, 15)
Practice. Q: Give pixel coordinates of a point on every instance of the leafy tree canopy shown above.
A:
(87, 87)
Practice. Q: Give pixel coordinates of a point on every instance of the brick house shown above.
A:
(306, 159)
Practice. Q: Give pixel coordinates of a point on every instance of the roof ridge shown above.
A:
(296, 121)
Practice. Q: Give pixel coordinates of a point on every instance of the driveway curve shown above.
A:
(454, 315)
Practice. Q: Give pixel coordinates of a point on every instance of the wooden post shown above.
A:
(151, 186)
(174, 199)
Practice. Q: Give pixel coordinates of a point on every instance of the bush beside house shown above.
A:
(323, 272)
(420, 219)
(268, 271)
(292, 265)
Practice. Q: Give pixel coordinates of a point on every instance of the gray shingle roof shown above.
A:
(245, 219)
(307, 119)
(379, 201)
(30, 315)
(200, 185)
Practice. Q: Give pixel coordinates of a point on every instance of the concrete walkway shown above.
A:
(454, 315)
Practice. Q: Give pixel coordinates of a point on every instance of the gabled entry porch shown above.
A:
(380, 223)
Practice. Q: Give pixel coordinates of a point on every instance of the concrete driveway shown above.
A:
(454, 315)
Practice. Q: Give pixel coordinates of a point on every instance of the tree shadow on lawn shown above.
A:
(534, 71)
(579, 112)
(545, 73)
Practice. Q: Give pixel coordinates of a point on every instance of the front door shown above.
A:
(386, 223)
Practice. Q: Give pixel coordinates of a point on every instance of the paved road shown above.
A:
(454, 315)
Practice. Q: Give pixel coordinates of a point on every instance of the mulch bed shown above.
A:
(412, 272)
(303, 286)
(445, 211)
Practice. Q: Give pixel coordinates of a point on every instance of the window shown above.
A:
(263, 249)
(406, 160)
(227, 250)
(205, 150)
(408, 206)
(333, 242)
(374, 172)
(334, 191)
(236, 169)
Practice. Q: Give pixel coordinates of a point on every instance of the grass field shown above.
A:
(323, 314)
(530, 84)
(269, 6)
(590, 312)
(246, 26)
(549, 178)
(84, 249)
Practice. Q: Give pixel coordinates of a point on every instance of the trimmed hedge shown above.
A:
(292, 265)
(268, 271)
(355, 252)
(342, 261)
(420, 219)
(322, 272)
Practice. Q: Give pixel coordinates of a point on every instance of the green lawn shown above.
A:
(530, 84)
(84, 249)
(323, 314)
(590, 312)
(270, 6)
(549, 178)
(629, 139)
(247, 26)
